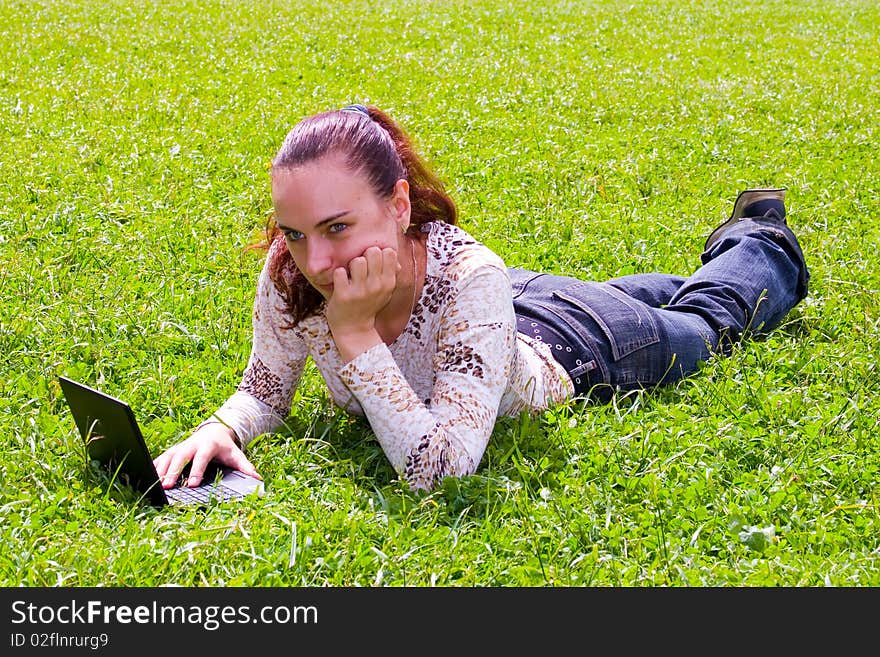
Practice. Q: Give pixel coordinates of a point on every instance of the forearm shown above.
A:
(247, 417)
(352, 342)
(422, 445)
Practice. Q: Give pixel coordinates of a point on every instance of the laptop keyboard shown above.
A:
(202, 494)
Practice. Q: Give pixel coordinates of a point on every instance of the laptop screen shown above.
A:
(113, 438)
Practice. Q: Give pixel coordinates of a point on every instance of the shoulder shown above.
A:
(456, 255)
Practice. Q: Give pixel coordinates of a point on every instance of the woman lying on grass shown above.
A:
(419, 327)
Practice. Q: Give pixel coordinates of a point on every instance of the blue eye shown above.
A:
(338, 228)
(292, 235)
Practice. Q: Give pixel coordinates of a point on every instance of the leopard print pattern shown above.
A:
(460, 358)
(260, 382)
(435, 294)
(428, 462)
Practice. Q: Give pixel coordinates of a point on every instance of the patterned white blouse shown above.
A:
(433, 395)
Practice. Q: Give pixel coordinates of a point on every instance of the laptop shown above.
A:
(114, 440)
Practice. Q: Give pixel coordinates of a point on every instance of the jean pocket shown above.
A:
(626, 322)
(520, 279)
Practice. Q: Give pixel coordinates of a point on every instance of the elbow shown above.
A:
(430, 461)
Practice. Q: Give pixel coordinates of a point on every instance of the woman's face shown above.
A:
(330, 215)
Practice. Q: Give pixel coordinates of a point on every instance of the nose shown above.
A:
(318, 258)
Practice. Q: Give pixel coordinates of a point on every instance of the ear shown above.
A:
(400, 204)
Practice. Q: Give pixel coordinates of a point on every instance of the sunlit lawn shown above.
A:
(592, 139)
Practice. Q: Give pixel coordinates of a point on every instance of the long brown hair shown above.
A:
(373, 144)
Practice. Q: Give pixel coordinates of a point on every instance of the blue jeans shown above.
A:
(647, 329)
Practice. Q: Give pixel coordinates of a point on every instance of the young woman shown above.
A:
(419, 327)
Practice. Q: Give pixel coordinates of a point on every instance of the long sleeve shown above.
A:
(278, 355)
(426, 440)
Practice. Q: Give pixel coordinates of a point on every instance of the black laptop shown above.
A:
(114, 439)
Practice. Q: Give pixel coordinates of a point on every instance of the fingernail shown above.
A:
(193, 481)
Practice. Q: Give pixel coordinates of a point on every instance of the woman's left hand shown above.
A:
(360, 292)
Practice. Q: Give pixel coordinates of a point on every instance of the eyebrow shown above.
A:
(327, 220)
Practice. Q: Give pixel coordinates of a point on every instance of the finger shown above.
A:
(175, 467)
(340, 280)
(357, 269)
(240, 462)
(390, 263)
(373, 256)
(197, 471)
(161, 464)
(371, 251)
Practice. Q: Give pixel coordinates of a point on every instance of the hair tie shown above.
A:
(357, 109)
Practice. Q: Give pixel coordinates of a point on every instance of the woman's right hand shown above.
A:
(212, 441)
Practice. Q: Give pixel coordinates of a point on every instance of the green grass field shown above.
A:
(591, 139)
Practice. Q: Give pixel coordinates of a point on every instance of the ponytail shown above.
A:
(427, 194)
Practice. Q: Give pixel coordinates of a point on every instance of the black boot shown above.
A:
(767, 204)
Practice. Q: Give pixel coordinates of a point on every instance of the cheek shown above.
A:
(389, 237)
(355, 249)
(345, 254)
(294, 253)
(296, 261)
